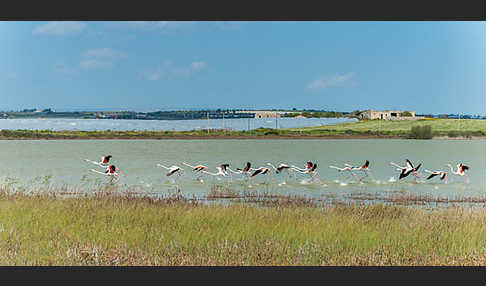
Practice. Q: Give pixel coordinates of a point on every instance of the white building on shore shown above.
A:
(389, 115)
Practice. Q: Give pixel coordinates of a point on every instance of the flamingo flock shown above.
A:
(310, 170)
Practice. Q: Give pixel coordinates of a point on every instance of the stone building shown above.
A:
(388, 115)
(267, 114)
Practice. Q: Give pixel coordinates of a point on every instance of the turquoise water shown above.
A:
(60, 162)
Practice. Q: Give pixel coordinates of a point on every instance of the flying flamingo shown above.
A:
(442, 174)
(111, 170)
(363, 168)
(172, 169)
(348, 168)
(103, 162)
(460, 171)
(407, 170)
(282, 167)
(222, 171)
(245, 171)
(261, 170)
(310, 168)
(197, 169)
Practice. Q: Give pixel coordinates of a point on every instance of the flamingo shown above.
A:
(310, 169)
(460, 171)
(407, 170)
(282, 167)
(103, 162)
(111, 170)
(308, 166)
(172, 169)
(222, 171)
(442, 174)
(261, 170)
(196, 169)
(245, 171)
(348, 168)
(364, 168)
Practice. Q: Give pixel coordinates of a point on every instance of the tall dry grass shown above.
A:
(112, 228)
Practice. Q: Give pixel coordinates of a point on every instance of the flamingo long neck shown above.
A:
(189, 165)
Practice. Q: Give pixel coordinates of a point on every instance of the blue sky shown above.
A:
(429, 67)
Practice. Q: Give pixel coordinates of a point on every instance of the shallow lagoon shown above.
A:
(165, 125)
(58, 162)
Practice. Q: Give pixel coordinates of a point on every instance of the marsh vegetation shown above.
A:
(111, 226)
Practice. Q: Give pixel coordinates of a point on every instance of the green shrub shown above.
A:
(452, 134)
(348, 131)
(272, 132)
(421, 132)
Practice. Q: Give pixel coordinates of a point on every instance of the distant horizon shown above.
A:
(216, 108)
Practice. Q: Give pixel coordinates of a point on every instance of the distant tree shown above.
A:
(291, 114)
(406, 114)
(307, 114)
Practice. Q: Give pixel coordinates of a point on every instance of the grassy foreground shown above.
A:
(360, 129)
(108, 229)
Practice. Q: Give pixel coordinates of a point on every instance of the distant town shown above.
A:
(222, 114)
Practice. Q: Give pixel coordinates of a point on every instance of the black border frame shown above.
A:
(242, 11)
(337, 10)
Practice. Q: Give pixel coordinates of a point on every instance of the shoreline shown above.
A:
(232, 137)
(205, 137)
(439, 129)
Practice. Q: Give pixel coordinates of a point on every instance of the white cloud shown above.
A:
(161, 72)
(336, 80)
(101, 58)
(153, 76)
(198, 65)
(104, 53)
(168, 71)
(59, 28)
(95, 64)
